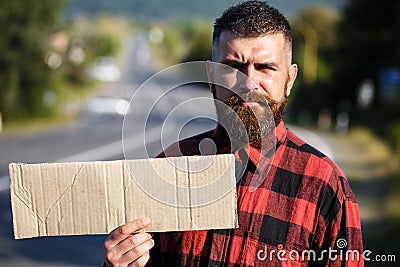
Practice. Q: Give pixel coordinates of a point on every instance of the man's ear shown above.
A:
(210, 75)
(292, 74)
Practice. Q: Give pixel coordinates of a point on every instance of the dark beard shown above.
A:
(247, 125)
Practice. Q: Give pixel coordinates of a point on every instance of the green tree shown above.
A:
(314, 38)
(24, 78)
(198, 34)
(183, 42)
(321, 22)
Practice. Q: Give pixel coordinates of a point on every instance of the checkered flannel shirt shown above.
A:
(303, 209)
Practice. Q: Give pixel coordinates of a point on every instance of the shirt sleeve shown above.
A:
(339, 241)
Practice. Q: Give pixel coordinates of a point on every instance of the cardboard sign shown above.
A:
(176, 193)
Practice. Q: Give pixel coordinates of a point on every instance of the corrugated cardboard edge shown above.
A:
(16, 185)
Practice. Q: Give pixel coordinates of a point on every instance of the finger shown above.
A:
(140, 261)
(126, 230)
(137, 252)
(132, 242)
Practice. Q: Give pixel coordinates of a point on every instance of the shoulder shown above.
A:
(317, 165)
(322, 181)
(186, 147)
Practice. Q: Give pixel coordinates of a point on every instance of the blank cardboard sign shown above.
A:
(78, 198)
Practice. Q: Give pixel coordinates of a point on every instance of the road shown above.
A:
(157, 118)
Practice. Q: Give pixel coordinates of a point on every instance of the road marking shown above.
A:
(116, 148)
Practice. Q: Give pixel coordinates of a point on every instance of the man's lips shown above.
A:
(249, 103)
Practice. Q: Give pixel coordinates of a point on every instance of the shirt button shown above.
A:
(280, 246)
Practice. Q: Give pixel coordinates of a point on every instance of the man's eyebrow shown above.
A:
(230, 62)
(265, 64)
(269, 64)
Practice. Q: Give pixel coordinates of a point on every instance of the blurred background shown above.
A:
(68, 70)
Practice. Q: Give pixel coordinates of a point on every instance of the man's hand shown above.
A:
(124, 248)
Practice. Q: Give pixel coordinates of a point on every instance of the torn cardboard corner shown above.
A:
(177, 193)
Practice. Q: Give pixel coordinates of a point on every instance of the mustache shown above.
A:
(251, 96)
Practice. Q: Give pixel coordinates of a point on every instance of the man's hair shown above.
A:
(252, 19)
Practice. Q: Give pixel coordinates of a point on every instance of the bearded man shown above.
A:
(294, 203)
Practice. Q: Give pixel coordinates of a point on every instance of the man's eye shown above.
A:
(265, 67)
(235, 66)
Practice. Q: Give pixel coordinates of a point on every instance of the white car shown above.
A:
(108, 105)
(104, 70)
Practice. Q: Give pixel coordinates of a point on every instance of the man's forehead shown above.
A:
(234, 45)
(268, 47)
(227, 36)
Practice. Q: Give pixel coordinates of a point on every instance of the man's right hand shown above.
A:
(125, 248)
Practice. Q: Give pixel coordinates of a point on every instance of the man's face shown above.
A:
(258, 82)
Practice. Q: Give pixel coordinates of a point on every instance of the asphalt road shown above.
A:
(158, 117)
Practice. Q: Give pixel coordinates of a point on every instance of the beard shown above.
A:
(249, 124)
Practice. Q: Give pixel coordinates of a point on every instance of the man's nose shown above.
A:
(247, 79)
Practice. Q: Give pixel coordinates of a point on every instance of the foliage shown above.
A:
(320, 22)
(394, 136)
(31, 34)
(323, 21)
(172, 47)
(102, 35)
(198, 34)
(24, 77)
(185, 42)
(365, 41)
(99, 37)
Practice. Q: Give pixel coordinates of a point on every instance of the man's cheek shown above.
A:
(223, 93)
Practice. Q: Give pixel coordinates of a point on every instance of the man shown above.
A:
(301, 203)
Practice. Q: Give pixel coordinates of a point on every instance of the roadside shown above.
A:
(371, 168)
(77, 51)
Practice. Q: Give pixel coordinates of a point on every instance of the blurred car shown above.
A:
(104, 70)
(108, 105)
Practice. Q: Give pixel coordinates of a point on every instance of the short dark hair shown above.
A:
(252, 19)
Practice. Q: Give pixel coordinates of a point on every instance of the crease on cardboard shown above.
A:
(69, 188)
(29, 206)
(28, 203)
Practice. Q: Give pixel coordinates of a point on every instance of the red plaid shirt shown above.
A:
(303, 214)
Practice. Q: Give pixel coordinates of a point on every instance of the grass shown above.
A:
(70, 98)
(33, 125)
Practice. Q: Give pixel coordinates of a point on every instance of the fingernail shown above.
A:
(152, 240)
(146, 221)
